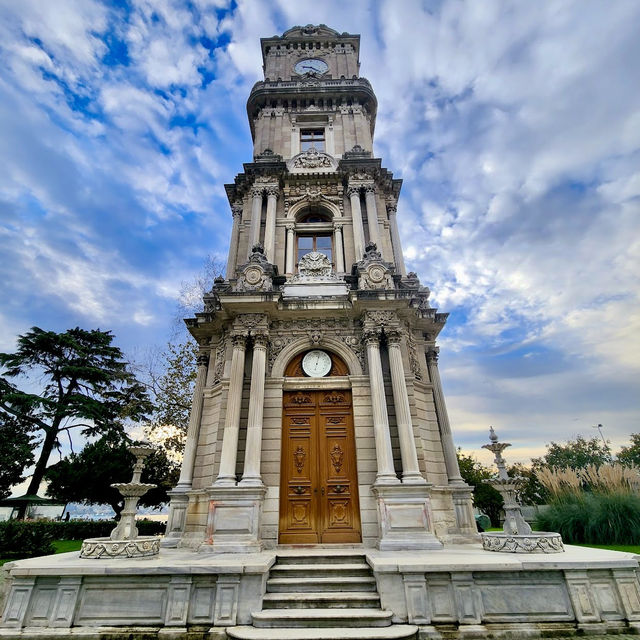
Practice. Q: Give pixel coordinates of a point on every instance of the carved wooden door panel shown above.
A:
(319, 490)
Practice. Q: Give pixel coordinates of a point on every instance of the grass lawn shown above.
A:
(60, 546)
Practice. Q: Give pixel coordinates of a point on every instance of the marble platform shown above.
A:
(462, 589)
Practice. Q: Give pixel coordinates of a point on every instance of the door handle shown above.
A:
(322, 491)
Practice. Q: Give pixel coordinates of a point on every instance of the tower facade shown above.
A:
(318, 415)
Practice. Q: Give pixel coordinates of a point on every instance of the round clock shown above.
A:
(311, 65)
(316, 363)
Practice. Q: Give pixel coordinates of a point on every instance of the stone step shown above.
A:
(318, 583)
(334, 558)
(302, 618)
(328, 570)
(394, 632)
(321, 600)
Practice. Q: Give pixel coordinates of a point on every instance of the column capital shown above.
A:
(203, 359)
(236, 209)
(432, 355)
(394, 336)
(369, 188)
(392, 208)
(273, 190)
(337, 226)
(239, 339)
(260, 340)
(353, 189)
(256, 192)
(290, 226)
(371, 336)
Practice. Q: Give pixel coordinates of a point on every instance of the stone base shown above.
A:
(534, 542)
(404, 516)
(141, 547)
(177, 517)
(233, 523)
(455, 592)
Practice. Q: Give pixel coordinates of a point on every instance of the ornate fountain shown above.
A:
(516, 535)
(124, 541)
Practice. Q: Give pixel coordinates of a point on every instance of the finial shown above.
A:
(493, 436)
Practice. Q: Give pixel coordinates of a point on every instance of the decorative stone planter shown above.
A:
(107, 548)
(534, 542)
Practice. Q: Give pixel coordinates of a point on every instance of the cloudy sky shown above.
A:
(515, 126)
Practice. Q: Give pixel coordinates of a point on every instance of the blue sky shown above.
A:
(515, 126)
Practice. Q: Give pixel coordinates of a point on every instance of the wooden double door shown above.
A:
(319, 487)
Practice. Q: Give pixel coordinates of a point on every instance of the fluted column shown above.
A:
(227, 472)
(372, 215)
(398, 258)
(448, 446)
(232, 260)
(270, 224)
(337, 229)
(256, 213)
(252, 455)
(193, 431)
(384, 455)
(356, 215)
(289, 267)
(410, 470)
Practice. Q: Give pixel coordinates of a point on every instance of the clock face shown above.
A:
(311, 65)
(316, 363)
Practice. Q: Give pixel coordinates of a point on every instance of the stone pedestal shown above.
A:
(233, 523)
(404, 518)
(177, 516)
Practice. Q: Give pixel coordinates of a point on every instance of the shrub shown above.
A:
(598, 518)
(20, 539)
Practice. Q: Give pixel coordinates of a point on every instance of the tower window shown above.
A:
(320, 243)
(311, 138)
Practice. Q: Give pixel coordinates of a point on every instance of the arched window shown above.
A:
(314, 233)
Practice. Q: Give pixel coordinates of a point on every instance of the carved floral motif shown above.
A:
(313, 159)
(337, 457)
(298, 458)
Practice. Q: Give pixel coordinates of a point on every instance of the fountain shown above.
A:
(516, 535)
(124, 541)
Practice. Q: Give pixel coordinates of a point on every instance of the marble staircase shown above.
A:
(328, 597)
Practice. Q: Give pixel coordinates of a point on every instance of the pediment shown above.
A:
(312, 161)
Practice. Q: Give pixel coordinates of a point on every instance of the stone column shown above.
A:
(193, 431)
(256, 213)
(289, 267)
(356, 215)
(270, 224)
(384, 455)
(448, 446)
(410, 470)
(232, 261)
(372, 215)
(398, 258)
(227, 472)
(251, 474)
(339, 248)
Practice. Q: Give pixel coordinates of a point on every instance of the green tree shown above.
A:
(87, 476)
(531, 491)
(630, 455)
(574, 454)
(85, 385)
(16, 452)
(485, 497)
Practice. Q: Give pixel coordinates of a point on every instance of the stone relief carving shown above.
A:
(284, 332)
(218, 367)
(373, 272)
(381, 319)
(313, 159)
(414, 363)
(257, 273)
(314, 266)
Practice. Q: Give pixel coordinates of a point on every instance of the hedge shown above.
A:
(26, 539)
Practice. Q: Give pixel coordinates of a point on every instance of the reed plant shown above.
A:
(600, 505)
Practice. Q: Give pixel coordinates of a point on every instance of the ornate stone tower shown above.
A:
(318, 415)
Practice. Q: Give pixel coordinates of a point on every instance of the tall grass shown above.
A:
(600, 505)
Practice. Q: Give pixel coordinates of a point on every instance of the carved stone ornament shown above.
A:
(373, 272)
(381, 319)
(314, 266)
(138, 548)
(312, 159)
(535, 542)
(257, 274)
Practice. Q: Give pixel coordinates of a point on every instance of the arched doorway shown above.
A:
(318, 478)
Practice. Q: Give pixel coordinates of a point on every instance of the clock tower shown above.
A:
(318, 415)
